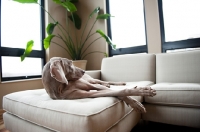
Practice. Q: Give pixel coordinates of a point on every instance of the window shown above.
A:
(127, 26)
(179, 24)
(19, 24)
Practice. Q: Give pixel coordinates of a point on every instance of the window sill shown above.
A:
(22, 80)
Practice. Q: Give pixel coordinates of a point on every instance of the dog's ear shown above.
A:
(57, 71)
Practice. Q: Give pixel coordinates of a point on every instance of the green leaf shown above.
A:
(47, 41)
(50, 28)
(57, 1)
(77, 20)
(108, 40)
(28, 50)
(67, 4)
(105, 54)
(26, 1)
(95, 11)
(74, 1)
(103, 16)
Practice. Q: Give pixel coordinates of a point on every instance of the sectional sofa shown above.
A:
(175, 76)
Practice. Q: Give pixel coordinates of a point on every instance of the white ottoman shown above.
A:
(34, 110)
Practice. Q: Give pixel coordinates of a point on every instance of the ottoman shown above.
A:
(34, 110)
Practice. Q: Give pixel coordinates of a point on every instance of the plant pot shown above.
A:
(80, 64)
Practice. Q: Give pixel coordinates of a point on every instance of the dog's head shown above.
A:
(63, 70)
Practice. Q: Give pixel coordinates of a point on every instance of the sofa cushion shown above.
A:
(180, 67)
(176, 94)
(129, 68)
(65, 115)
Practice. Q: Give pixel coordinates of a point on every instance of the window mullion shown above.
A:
(5, 51)
(130, 50)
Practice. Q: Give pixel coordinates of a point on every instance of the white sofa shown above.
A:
(175, 76)
(178, 90)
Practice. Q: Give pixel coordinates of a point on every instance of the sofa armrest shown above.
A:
(94, 73)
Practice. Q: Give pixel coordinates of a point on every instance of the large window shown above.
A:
(19, 24)
(127, 27)
(180, 24)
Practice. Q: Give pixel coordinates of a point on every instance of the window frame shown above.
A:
(180, 44)
(128, 50)
(17, 52)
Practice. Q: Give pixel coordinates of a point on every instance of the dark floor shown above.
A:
(144, 126)
(148, 126)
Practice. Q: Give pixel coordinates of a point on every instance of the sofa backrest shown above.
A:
(129, 68)
(180, 67)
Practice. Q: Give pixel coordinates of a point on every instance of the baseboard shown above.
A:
(1, 116)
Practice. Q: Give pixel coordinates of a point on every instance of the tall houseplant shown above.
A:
(75, 49)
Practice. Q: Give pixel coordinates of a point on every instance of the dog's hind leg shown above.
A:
(136, 105)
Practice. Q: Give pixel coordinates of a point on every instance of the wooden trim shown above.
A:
(1, 116)
(2, 111)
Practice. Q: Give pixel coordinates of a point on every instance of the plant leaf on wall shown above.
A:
(47, 41)
(73, 1)
(26, 1)
(28, 50)
(103, 16)
(76, 21)
(67, 4)
(95, 11)
(50, 28)
(108, 40)
(105, 54)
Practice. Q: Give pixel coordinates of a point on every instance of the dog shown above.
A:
(63, 80)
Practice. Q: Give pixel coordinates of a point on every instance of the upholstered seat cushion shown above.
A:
(176, 94)
(87, 115)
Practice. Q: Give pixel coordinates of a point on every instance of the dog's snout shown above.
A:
(83, 71)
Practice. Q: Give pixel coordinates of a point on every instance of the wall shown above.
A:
(59, 14)
(85, 7)
(152, 26)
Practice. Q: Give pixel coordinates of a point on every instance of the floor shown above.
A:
(143, 126)
(147, 126)
(2, 128)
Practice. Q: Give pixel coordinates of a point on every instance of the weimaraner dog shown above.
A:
(62, 80)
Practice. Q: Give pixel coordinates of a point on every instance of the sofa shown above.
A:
(178, 90)
(175, 76)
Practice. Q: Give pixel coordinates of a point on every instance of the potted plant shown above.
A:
(75, 49)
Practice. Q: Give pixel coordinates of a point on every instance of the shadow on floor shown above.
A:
(144, 126)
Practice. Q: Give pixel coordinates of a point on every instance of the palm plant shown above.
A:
(75, 49)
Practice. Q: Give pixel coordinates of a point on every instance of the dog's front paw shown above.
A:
(144, 91)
